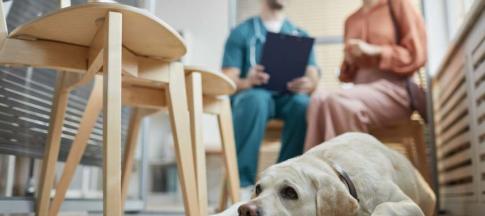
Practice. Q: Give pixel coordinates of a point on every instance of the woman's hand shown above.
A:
(359, 48)
(302, 85)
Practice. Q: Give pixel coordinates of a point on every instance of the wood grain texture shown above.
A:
(112, 116)
(194, 95)
(44, 54)
(213, 83)
(51, 152)
(88, 122)
(74, 25)
(229, 148)
(180, 122)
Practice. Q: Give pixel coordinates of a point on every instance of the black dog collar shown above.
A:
(344, 177)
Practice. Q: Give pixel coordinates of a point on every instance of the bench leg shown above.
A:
(112, 116)
(194, 93)
(180, 122)
(229, 149)
(88, 122)
(51, 151)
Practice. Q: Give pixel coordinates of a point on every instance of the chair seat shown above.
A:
(143, 33)
(214, 84)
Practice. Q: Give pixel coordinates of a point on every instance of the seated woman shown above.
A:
(385, 44)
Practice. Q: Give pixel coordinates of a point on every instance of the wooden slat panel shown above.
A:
(481, 130)
(457, 189)
(455, 159)
(459, 96)
(456, 142)
(456, 174)
(479, 54)
(448, 120)
(480, 90)
(479, 73)
(449, 87)
(459, 125)
(481, 110)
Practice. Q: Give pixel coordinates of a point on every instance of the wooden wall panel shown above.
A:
(475, 46)
(459, 102)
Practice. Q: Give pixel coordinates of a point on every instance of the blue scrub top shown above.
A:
(252, 33)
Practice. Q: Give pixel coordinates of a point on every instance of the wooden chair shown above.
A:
(203, 90)
(410, 135)
(104, 38)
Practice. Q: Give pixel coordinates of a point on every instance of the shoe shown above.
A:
(246, 193)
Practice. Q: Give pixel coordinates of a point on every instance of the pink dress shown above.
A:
(379, 96)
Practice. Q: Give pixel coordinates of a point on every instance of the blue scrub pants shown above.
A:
(251, 111)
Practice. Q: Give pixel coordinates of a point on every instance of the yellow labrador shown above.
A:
(353, 174)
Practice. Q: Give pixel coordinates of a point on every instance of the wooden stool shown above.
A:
(410, 134)
(203, 88)
(85, 39)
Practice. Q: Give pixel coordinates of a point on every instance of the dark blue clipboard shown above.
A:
(285, 57)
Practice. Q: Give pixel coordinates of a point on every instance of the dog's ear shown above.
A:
(334, 200)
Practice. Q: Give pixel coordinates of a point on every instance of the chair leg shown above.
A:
(51, 151)
(88, 122)
(229, 148)
(130, 149)
(422, 157)
(223, 197)
(112, 116)
(194, 94)
(180, 122)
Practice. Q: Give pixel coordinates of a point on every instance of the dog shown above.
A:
(351, 175)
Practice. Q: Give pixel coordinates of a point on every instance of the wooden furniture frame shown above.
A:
(410, 135)
(204, 89)
(459, 106)
(84, 40)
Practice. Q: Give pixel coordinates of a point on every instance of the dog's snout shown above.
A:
(248, 210)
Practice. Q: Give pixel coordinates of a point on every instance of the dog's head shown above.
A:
(300, 186)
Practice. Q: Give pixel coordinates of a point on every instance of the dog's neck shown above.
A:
(345, 178)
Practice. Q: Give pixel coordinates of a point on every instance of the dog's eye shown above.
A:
(258, 190)
(289, 193)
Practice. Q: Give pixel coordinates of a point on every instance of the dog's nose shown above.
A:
(248, 210)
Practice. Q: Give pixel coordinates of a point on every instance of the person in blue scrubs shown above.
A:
(254, 107)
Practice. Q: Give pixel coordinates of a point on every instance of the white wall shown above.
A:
(205, 22)
(437, 29)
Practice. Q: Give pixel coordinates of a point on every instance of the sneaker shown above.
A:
(246, 193)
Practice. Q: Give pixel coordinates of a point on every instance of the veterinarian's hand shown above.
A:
(303, 85)
(359, 48)
(257, 76)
